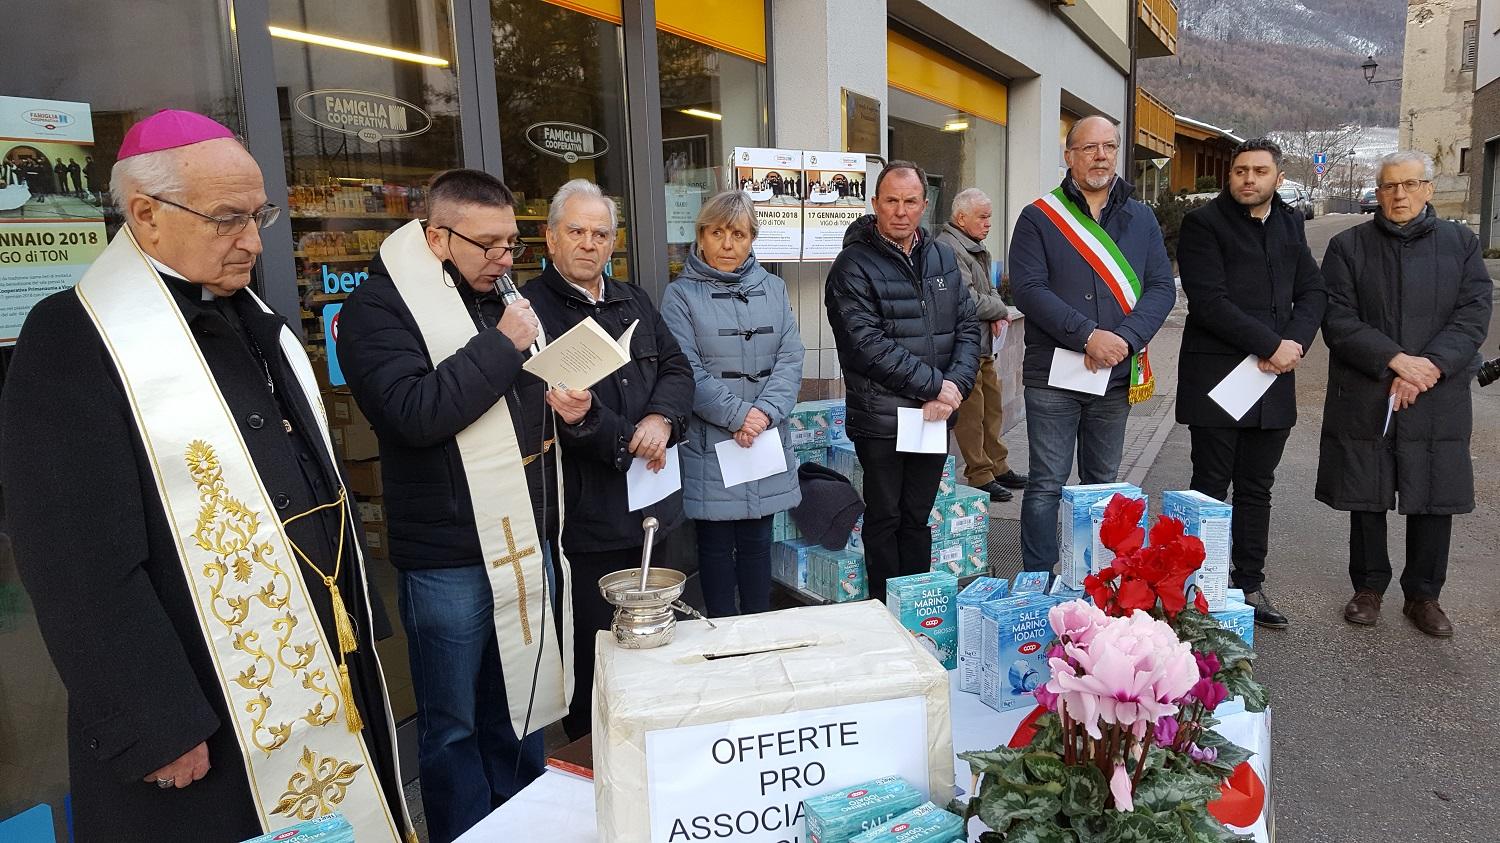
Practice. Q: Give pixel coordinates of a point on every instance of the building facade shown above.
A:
(1437, 95)
(1484, 175)
(349, 115)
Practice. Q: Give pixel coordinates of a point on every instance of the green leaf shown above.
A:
(1231, 754)
(1045, 766)
(1242, 684)
(1166, 790)
(1205, 828)
(1137, 827)
(1002, 806)
(990, 762)
(1084, 791)
(1230, 647)
(1040, 831)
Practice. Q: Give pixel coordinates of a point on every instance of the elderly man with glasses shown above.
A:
(432, 344)
(1089, 270)
(1408, 308)
(637, 413)
(179, 519)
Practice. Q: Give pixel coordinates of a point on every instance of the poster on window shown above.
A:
(51, 212)
(832, 198)
(774, 181)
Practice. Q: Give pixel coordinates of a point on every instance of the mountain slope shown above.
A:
(1257, 65)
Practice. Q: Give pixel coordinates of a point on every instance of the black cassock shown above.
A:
(95, 553)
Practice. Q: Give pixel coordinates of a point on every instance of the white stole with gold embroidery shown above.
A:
(502, 501)
(276, 668)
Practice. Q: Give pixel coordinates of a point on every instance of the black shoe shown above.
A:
(998, 493)
(1266, 614)
(1012, 480)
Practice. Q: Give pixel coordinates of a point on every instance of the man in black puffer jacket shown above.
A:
(907, 336)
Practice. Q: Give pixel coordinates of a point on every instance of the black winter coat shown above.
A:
(97, 556)
(1249, 285)
(416, 409)
(658, 379)
(902, 326)
(1422, 290)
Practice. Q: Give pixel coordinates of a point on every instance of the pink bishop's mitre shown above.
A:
(169, 129)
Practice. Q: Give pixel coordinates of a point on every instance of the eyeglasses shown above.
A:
(491, 253)
(231, 224)
(1092, 149)
(1410, 185)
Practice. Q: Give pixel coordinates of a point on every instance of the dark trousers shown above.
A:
(1427, 541)
(899, 491)
(735, 556)
(1246, 458)
(592, 614)
(1060, 423)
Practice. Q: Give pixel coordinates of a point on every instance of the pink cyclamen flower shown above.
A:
(1045, 698)
(1120, 788)
(1208, 664)
(1209, 693)
(1165, 731)
(1132, 673)
(1076, 621)
(1203, 755)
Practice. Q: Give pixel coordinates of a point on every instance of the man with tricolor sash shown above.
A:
(183, 529)
(1089, 270)
(432, 344)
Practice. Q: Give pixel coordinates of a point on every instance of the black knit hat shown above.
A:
(829, 507)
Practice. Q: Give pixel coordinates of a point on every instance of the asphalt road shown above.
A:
(1379, 734)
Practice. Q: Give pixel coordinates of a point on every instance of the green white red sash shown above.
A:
(1096, 246)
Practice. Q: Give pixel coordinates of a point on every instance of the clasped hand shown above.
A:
(1104, 350)
(1286, 358)
(944, 405)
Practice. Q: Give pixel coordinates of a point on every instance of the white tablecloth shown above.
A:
(564, 804)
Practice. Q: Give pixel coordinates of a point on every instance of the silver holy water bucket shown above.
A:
(644, 599)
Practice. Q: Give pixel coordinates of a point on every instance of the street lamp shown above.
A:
(1369, 67)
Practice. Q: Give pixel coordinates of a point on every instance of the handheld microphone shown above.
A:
(510, 295)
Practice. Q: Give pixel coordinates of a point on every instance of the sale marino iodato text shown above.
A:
(781, 765)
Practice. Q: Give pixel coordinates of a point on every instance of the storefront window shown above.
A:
(560, 78)
(958, 150)
(712, 100)
(369, 113)
(104, 73)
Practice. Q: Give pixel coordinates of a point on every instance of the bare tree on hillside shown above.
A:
(1299, 145)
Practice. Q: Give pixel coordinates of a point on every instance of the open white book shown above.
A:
(582, 357)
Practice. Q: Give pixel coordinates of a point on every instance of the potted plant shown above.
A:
(1125, 750)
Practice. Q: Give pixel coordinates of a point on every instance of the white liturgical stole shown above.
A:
(501, 497)
(277, 670)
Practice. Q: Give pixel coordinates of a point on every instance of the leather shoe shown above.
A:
(1011, 480)
(998, 493)
(1363, 608)
(1428, 616)
(1266, 614)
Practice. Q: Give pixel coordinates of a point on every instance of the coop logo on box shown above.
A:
(932, 622)
(897, 829)
(48, 119)
(1030, 647)
(855, 794)
(287, 835)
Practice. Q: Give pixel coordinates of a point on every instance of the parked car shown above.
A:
(1298, 197)
(1367, 202)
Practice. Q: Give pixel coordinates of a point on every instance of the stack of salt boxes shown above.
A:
(959, 520)
(1003, 636)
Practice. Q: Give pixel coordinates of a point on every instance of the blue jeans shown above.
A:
(1058, 422)
(468, 755)
(734, 557)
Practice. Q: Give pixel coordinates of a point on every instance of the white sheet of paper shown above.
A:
(765, 457)
(645, 487)
(998, 342)
(1242, 387)
(1390, 407)
(1069, 372)
(917, 436)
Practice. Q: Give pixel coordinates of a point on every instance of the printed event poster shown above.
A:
(833, 197)
(51, 215)
(773, 179)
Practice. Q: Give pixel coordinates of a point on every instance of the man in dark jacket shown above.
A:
(426, 401)
(1254, 290)
(907, 336)
(1071, 308)
(1408, 308)
(636, 413)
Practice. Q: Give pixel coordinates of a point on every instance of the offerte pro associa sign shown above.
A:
(744, 780)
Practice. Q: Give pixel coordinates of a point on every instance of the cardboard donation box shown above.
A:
(726, 731)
